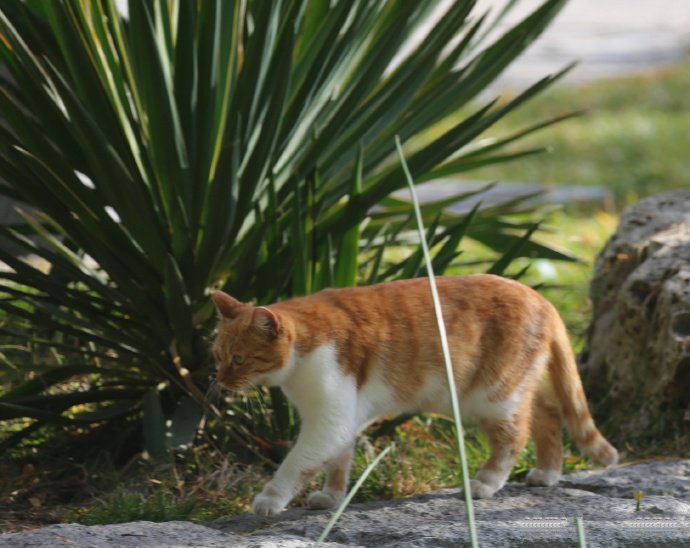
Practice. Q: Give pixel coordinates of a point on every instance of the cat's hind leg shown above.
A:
(507, 439)
(547, 435)
(335, 484)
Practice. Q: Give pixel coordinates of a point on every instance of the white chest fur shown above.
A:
(320, 390)
(323, 393)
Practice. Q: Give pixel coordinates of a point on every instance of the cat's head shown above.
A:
(252, 345)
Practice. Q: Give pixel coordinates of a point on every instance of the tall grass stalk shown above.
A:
(469, 508)
(349, 496)
(581, 542)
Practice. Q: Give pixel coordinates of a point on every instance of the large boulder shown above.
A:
(517, 516)
(636, 363)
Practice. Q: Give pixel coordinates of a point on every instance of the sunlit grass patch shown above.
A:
(124, 506)
(200, 485)
(424, 458)
(632, 138)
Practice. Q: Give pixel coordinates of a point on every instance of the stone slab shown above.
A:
(519, 516)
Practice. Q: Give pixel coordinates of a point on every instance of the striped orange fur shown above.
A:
(345, 357)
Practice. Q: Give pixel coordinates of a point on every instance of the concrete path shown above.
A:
(608, 37)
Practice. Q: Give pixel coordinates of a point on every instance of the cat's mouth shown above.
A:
(235, 385)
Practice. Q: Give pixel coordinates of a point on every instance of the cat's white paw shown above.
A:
(544, 478)
(267, 505)
(481, 490)
(321, 500)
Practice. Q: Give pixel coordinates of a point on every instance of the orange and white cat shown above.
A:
(345, 357)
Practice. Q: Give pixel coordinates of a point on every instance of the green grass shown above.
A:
(124, 506)
(633, 137)
(174, 493)
(424, 458)
(203, 485)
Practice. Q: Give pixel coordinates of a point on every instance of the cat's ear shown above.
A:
(265, 322)
(227, 306)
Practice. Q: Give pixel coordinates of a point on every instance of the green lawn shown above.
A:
(633, 136)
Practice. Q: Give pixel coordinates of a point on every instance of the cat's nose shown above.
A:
(227, 379)
(221, 376)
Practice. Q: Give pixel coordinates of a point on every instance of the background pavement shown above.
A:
(607, 37)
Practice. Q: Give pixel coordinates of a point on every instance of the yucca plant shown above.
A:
(234, 144)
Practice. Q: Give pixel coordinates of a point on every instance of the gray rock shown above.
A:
(138, 533)
(654, 478)
(518, 516)
(637, 357)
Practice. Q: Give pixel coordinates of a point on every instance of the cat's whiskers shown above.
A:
(256, 400)
(214, 391)
(260, 398)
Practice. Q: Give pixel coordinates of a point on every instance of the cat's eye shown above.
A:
(238, 360)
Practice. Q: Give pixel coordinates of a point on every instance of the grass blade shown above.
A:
(581, 541)
(153, 425)
(349, 496)
(469, 508)
(501, 264)
(346, 267)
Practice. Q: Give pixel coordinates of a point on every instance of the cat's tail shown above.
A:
(571, 396)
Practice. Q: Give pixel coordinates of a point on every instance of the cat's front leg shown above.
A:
(318, 442)
(269, 502)
(283, 486)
